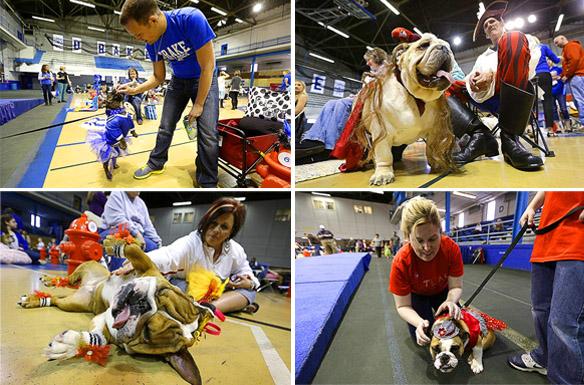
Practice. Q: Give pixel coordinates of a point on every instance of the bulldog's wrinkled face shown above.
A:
(425, 66)
(132, 306)
(114, 100)
(446, 352)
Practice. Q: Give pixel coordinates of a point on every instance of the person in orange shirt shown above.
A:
(573, 69)
(426, 274)
(557, 290)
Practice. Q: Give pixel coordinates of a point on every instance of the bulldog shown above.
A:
(141, 312)
(407, 104)
(451, 338)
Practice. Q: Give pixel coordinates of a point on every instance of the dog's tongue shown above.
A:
(121, 318)
(445, 74)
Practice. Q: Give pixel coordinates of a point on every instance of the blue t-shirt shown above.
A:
(546, 52)
(284, 86)
(187, 30)
(558, 87)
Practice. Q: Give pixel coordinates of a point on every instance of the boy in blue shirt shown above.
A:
(184, 38)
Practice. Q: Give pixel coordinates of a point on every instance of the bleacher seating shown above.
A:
(116, 63)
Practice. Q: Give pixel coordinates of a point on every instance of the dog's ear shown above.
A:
(184, 363)
(398, 51)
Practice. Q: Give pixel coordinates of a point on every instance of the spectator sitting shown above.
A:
(14, 240)
(102, 96)
(96, 201)
(478, 229)
(301, 98)
(126, 208)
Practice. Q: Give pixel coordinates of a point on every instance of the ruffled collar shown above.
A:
(116, 111)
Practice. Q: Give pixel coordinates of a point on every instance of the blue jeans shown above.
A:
(557, 297)
(47, 95)
(61, 90)
(561, 99)
(330, 122)
(426, 306)
(178, 94)
(149, 243)
(136, 102)
(577, 87)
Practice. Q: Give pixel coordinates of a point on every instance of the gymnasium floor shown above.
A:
(60, 158)
(372, 344)
(246, 352)
(413, 172)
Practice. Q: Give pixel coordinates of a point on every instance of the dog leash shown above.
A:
(519, 235)
(51, 126)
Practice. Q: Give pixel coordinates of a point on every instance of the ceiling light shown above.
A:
(465, 195)
(353, 80)
(195, 1)
(187, 203)
(416, 30)
(388, 5)
(519, 23)
(257, 7)
(457, 40)
(369, 48)
(117, 12)
(238, 20)
(531, 18)
(219, 11)
(510, 25)
(96, 29)
(321, 194)
(559, 24)
(380, 192)
(442, 210)
(82, 3)
(241, 199)
(337, 31)
(43, 19)
(321, 57)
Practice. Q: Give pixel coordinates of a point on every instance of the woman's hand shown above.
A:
(243, 282)
(126, 268)
(421, 337)
(528, 216)
(453, 309)
(128, 89)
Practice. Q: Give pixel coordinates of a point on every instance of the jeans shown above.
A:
(47, 93)
(425, 306)
(178, 94)
(558, 312)
(561, 99)
(330, 122)
(577, 87)
(136, 102)
(61, 90)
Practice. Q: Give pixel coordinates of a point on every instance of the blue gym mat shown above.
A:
(324, 286)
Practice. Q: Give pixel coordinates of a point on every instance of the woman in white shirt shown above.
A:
(211, 246)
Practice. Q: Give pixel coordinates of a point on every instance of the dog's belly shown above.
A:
(408, 126)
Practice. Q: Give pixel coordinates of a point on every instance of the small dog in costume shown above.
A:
(112, 142)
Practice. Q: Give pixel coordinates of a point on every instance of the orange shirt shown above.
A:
(573, 55)
(409, 274)
(564, 242)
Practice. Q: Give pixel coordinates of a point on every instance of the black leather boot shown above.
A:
(464, 121)
(514, 113)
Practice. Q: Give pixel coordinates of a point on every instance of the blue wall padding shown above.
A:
(11, 108)
(115, 63)
(518, 259)
(38, 54)
(324, 287)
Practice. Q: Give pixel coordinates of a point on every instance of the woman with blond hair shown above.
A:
(300, 101)
(426, 274)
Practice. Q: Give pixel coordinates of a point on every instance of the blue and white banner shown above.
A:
(339, 90)
(129, 51)
(115, 50)
(76, 45)
(101, 48)
(58, 42)
(318, 82)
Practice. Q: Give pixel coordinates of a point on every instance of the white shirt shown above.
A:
(487, 62)
(187, 252)
(221, 82)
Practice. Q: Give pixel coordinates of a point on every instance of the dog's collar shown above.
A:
(419, 102)
(115, 111)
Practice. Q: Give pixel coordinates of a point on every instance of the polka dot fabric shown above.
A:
(271, 105)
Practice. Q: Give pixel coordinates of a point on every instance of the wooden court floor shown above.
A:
(74, 165)
(246, 352)
(561, 171)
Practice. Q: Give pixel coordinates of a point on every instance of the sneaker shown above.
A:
(145, 172)
(525, 363)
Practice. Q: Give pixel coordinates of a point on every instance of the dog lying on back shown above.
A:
(111, 143)
(408, 104)
(141, 313)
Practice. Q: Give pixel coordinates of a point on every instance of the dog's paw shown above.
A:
(476, 366)
(29, 301)
(63, 345)
(381, 176)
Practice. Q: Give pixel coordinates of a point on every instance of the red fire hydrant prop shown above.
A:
(43, 253)
(83, 244)
(54, 254)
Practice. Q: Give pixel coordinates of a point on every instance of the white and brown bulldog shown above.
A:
(451, 338)
(407, 104)
(141, 312)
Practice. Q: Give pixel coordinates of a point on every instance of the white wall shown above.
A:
(343, 222)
